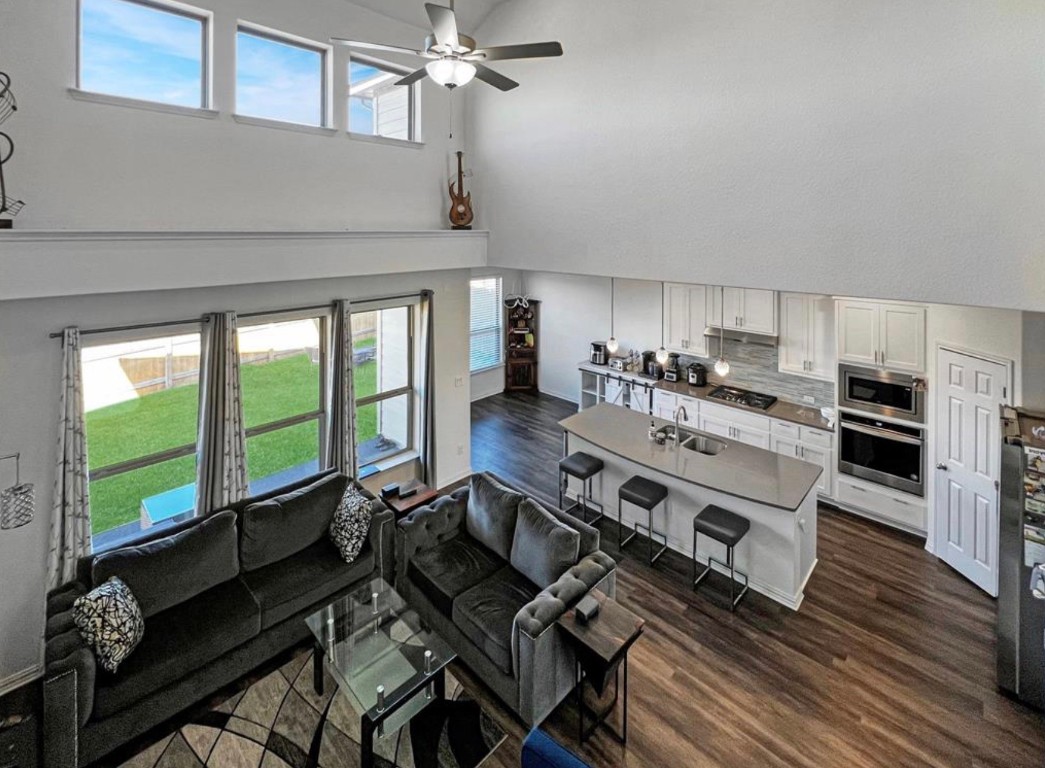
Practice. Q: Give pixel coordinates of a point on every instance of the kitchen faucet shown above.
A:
(681, 409)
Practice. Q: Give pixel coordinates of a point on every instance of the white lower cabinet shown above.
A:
(715, 426)
(755, 437)
(878, 501)
(808, 444)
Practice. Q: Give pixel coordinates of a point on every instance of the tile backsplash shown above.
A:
(754, 366)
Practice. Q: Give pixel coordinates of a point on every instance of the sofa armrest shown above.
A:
(69, 675)
(427, 527)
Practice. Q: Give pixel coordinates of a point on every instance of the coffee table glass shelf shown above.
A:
(382, 656)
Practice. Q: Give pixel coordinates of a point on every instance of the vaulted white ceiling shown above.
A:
(470, 13)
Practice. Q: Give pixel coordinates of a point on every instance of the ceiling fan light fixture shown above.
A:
(451, 73)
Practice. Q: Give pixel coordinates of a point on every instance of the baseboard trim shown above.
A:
(18, 679)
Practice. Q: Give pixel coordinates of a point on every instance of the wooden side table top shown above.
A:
(403, 507)
(607, 635)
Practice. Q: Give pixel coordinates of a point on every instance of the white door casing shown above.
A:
(969, 391)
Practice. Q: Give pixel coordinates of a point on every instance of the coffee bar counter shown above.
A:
(777, 493)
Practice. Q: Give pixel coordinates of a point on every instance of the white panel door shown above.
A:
(785, 447)
(969, 392)
(676, 316)
(901, 337)
(823, 458)
(758, 311)
(858, 332)
(696, 343)
(614, 391)
(755, 437)
(793, 344)
(641, 398)
(822, 344)
(715, 426)
(733, 301)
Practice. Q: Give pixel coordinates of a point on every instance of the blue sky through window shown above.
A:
(141, 52)
(278, 81)
(360, 110)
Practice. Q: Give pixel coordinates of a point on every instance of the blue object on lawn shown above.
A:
(169, 504)
(542, 751)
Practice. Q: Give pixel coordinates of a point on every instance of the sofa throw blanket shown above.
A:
(351, 524)
(110, 622)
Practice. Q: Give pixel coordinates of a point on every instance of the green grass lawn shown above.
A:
(167, 419)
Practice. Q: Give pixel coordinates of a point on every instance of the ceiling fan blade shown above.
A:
(413, 77)
(496, 79)
(380, 47)
(525, 51)
(444, 25)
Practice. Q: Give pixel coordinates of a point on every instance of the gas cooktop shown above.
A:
(742, 397)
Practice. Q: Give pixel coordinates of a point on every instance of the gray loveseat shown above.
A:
(221, 595)
(491, 579)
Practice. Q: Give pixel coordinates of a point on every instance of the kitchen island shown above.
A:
(776, 493)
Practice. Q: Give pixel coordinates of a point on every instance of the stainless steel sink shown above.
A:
(699, 443)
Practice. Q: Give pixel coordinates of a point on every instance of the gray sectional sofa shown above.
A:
(221, 595)
(492, 572)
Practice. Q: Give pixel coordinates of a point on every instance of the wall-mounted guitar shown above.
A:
(460, 203)
(8, 106)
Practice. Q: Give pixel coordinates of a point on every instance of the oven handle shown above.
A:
(875, 431)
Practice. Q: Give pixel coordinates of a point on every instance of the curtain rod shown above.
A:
(144, 326)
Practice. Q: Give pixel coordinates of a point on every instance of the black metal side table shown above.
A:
(601, 646)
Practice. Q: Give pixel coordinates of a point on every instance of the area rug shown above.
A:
(280, 722)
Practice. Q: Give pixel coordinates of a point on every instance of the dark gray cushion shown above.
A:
(284, 525)
(721, 525)
(486, 612)
(448, 569)
(543, 547)
(294, 583)
(171, 570)
(179, 641)
(491, 513)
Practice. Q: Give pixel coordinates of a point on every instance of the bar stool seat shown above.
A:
(727, 528)
(645, 494)
(580, 465)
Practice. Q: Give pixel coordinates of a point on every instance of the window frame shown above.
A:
(202, 15)
(326, 53)
(320, 414)
(500, 324)
(413, 102)
(411, 388)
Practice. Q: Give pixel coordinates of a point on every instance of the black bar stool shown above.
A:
(726, 528)
(645, 494)
(584, 467)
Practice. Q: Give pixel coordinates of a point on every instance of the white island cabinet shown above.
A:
(776, 493)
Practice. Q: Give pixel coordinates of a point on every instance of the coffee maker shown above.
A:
(672, 371)
(650, 367)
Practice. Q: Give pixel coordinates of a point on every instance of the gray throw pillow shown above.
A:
(176, 568)
(351, 524)
(490, 516)
(543, 548)
(110, 621)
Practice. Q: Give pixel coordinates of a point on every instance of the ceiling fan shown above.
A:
(455, 57)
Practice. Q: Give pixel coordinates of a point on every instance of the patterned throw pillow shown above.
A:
(351, 524)
(110, 622)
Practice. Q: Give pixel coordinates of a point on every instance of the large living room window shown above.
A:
(383, 360)
(282, 373)
(149, 50)
(141, 404)
(487, 324)
(376, 105)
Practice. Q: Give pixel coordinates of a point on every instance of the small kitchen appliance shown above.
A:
(697, 375)
(672, 371)
(599, 354)
(886, 393)
(650, 366)
(618, 363)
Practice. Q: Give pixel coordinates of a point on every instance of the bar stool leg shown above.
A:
(562, 480)
(732, 579)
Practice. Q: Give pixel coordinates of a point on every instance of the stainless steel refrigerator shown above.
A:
(1021, 584)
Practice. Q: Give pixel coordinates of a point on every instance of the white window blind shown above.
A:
(487, 331)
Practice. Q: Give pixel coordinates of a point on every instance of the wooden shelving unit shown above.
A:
(521, 330)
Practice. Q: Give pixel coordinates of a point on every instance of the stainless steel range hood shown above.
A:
(743, 336)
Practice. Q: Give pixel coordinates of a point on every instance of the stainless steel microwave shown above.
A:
(887, 393)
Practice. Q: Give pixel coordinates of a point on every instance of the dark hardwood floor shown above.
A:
(889, 662)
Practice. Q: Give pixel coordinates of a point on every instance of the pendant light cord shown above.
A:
(613, 298)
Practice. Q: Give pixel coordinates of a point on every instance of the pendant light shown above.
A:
(662, 353)
(612, 345)
(721, 366)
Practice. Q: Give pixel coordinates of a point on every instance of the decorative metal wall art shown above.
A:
(9, 206)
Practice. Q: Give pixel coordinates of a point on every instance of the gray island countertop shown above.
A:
(740, 470)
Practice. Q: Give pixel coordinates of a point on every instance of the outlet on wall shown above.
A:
(458, 381)
(460, 449)
(808, 399)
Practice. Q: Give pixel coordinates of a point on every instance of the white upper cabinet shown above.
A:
(684, 309)
(742, 309)
(882, 335)
(807, 335)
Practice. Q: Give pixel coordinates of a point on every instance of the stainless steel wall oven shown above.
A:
(882, 452)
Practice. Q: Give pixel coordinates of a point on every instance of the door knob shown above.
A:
(942, 466)
(1037, 581)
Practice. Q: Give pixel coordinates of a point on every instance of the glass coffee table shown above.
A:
(382, 657)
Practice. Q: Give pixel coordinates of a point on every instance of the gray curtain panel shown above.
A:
(341, 394)
(427, 385)
(221, 447)
(70, 513)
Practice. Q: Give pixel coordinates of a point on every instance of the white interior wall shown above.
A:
(868, 149)
(30, 377)
(97, 166)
